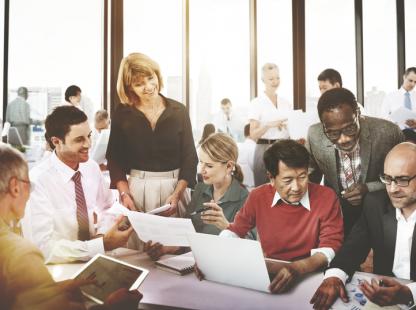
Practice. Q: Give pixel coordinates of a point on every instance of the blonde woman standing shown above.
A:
(221, 191)
(151, 140)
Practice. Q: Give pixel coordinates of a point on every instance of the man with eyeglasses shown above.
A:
(349, 150)
(25, 282)
(387, 226)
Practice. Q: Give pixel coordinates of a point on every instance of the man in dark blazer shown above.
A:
(387, 226)
(349, 150)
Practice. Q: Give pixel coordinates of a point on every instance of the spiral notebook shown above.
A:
(180, 264)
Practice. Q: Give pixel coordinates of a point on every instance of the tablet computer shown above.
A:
(110, 274)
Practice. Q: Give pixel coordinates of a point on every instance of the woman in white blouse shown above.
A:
(268, 115)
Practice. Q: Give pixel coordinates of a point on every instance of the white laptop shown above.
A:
(232, 261)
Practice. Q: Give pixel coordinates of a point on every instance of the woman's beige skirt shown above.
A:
(150, 190)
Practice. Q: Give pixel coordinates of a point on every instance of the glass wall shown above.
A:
(54, 44)
(330, 43)
(219, 62)
(380, 52)
(274, 42)
(410, 28)
(154, 27)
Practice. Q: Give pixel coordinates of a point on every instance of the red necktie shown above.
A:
(82, 213)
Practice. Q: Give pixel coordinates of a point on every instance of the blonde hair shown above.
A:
(269, 66)
(220, 147)
(133, 67)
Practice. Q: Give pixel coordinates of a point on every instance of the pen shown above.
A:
(200, 210)
(204, 209)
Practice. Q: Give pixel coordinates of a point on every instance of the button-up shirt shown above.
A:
(401, 264)
(51, 213)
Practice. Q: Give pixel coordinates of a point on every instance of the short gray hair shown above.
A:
(12, 164)
(268, 67)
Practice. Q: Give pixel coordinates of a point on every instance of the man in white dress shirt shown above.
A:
(71, 195)
(405, 97)
(387, 226)
(228, 121)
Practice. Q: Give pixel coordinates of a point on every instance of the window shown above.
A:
(154, 28)
(380, 52)
(219, 61)
(54, 44)
(410, 27)
(274, 42)
(330, 43)
(1, 58)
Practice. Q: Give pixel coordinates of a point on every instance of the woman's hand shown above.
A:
(214, 216)
(173, 200)
(127, 200)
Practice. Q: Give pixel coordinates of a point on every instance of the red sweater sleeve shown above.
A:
(331, 232)
(245, 219)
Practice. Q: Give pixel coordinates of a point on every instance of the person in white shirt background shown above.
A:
(73, 96)
(100, 137)
(70, 195)
(246, 157)
(405, 97)
(387, 225)
(228, 121)
(268, 115)
(331, 78)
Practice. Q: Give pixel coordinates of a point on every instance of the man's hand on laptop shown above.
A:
(198, 273)
(116, 238)
(326, 294)
(284, 278)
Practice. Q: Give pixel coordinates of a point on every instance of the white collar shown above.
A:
(66, 172)
(304, 201)
(399, 216)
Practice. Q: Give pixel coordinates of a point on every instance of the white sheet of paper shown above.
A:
(160, 209)
(118, 209)
(168, 231)
(401, 115)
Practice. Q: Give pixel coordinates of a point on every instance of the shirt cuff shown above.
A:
(412, 287)
(228, 234)
(328, 252)
(336, 272)
(95, 246)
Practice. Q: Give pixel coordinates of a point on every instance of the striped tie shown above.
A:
(348, 171)
(82, 213)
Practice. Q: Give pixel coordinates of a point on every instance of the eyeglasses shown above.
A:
(350, 130)
(400, 181)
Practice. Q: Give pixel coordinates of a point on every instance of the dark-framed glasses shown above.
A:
(350, 130)
(401, 181)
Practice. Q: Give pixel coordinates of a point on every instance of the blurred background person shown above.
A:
(18, 114)
(246, 157)
(151, 140)
(227, 120)
(268, 115)
(100, 137)
(208, 130)
(73, 96)
(221, 191)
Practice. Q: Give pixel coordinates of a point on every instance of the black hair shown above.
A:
(247, 130)
(290, 152)
(72, 90)
(331, 75)
(335, 97)
(58, 123)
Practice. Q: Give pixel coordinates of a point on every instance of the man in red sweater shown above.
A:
(296, 220)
